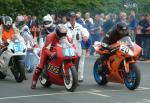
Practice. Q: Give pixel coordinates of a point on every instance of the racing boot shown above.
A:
(35, 77)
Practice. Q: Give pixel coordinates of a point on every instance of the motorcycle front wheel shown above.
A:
(2, 75)
(71, 79)
(18, 71)
(132, 79)
(99, 76)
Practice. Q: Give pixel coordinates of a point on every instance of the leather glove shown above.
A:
(108, 47)
(53, 56)
(105, 46)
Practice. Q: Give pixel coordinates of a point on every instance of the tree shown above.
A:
(62, 7)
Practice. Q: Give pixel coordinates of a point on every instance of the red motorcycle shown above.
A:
(61, 70)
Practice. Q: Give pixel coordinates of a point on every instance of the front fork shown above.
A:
(126, 65)
(65, 67)
(65, 72)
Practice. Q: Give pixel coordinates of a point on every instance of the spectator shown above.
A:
(53, 17)
(33, 22)
(138, 31)
(64, 20)
(79, 19)
(87, 17)
(34, 26)
(18, 19)
(133, 23)
(96, 35)
(122, 17)
(108, 24)
(146, 41)
(76, 33)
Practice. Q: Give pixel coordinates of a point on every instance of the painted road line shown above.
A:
(90, 91)
(146, 100)
(38, 95)
(115, 90)
(95, 90)
(139, 88)
(98, 94)
(143, 88)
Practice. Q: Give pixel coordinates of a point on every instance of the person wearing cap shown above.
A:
(76, 33)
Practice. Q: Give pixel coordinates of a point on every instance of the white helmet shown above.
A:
(47, 21)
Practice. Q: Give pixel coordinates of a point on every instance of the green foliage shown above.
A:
(61, 7)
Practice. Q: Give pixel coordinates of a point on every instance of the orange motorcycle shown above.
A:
(119, 65)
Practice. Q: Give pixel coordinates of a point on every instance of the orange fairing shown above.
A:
(113, 64)
(119, 64)
(137, 50)
(115, 60)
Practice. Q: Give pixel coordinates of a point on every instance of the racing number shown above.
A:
(16, 47)
(53, 69)
(124, 49)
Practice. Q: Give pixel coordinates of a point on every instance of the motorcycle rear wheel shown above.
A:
(132, 79)
(71, 79)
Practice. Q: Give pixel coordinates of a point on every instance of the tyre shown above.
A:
(43, 80)
(19, 71)
(71, 79)
(2, 76)
(132, 79)
(99, 76)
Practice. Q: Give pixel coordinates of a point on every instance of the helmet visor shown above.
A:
(47, 22)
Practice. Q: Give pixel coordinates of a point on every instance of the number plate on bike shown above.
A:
(124, 49)
(68, 52)
(17, 47)
(53, 69)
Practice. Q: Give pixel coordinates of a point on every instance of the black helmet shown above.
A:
(61, 30)
(122, 26)
(7, 22)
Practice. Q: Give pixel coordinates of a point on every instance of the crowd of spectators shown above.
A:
(99, 25)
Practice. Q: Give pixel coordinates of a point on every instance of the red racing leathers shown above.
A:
(52, 40)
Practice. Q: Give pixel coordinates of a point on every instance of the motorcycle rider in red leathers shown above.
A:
(51, 40)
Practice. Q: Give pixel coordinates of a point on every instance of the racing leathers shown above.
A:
(51, 40)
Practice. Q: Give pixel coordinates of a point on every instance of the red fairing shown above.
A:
(55, 67)
(54, 74)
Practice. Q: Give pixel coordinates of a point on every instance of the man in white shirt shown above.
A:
(76, 33)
